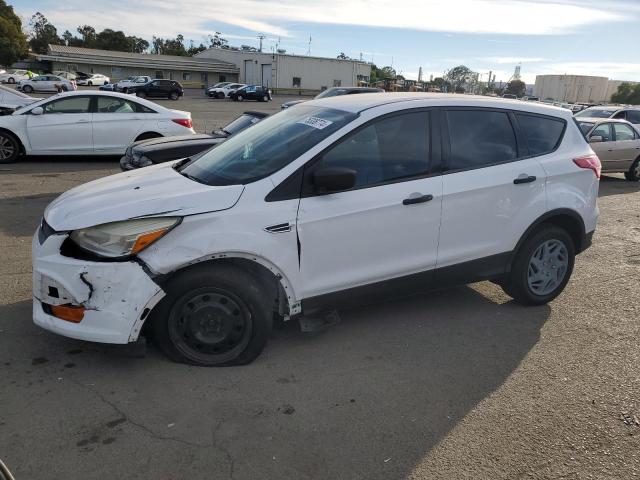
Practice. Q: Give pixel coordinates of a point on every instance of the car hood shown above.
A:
(152, 191)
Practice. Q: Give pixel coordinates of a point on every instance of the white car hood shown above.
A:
(152, 191)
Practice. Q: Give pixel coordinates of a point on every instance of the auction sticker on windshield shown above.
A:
(315, 122)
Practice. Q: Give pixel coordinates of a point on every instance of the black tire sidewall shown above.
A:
(517, 285)
(27, 89)
(630, 174)
(223, 277)
(16, 146)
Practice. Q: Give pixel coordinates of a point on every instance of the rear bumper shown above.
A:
(587, 240)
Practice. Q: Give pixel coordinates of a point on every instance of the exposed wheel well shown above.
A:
(22, 150)
(147, 136)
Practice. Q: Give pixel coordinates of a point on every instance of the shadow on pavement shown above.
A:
(21, 215)
(617, 185)
(367, 399)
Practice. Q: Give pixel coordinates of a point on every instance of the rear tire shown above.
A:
(542, 266)
(9, 148)
(212, 316)
(11, 80)
(90, 84)
(633, 174)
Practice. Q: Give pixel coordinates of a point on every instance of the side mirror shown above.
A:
(596, 139)
(334, 179)
(37, 111)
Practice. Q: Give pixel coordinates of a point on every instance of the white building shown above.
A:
(291, 73)
(576, 88)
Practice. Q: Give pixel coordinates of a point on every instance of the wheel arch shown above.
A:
(565, 218)
(148, 135)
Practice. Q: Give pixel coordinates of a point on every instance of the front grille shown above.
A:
(45, 231)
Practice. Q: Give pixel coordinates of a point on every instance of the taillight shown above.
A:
(185, 122)
(592, 162)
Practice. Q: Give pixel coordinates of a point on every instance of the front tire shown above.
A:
(90, 84)
(633, 174)
(265, 98)
(11, 80)
(219, 95)
(27, 89)
(140, 94)
(542, 267)
(174, 96)
(213, 316)
(239, 98)
(9, 148)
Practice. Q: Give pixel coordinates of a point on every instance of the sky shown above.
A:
(588, 37)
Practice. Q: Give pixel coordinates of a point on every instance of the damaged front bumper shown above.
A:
(117, 296)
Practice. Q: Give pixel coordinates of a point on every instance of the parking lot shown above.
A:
(460, 383)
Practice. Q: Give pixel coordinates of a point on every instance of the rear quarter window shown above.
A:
(543, 134)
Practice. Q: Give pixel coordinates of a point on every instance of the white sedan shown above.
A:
(11, 100)
(46, 83)
(95, 79)
(13, 76)
(87, 123)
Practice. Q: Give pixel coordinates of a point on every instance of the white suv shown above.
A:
(224, 91)
(331, 200)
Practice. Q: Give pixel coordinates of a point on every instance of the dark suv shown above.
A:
(251, 92)
(158, 88)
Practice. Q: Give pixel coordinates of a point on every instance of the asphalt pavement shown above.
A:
(457, 384)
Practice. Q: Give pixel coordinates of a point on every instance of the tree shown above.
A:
(516, 87)
(342, 56)
(459, 77)
(137, 44)
(88, 34)
(218, 41)
(627, 93)
(43, 34)
(441, 84)
(13, 43)
(387, 73)
(169, 46)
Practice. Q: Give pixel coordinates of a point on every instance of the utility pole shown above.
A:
(261, 37)
(309, 50)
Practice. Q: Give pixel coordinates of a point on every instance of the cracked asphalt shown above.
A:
(456, 384)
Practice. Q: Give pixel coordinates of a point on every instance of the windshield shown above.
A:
(585, 126)
(240, 124)
(595, 113)
(265, 148)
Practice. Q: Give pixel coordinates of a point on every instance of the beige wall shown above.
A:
(572, 88)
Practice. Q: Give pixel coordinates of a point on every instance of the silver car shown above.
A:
(617, 144)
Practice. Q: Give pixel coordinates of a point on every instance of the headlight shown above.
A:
(141, 161)
(121, 239)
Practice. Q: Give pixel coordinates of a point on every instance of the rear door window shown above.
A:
(543, 134)
(623, 132)
(633, 116)
(479, 138)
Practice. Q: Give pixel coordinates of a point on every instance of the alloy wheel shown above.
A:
(7, 148)
(547, 267)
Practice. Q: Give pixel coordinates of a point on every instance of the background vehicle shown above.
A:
(531, 98)
(13, 76)
(81, 75)
(251, 92)
(135, 81)
(63, 74)
(11, 100)
(158, 89)
(86, 123)
(109, 87)
(217, 85)
(94, 79)
(630, 114)
(617, 144)
(335, 92)
(223, 92)
(46, 83)
(158, 150)
(510, 96)
(316, 205)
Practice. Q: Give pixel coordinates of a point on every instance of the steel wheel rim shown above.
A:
(637, 169)
(548, 267)
(7, 148)
(210, 325)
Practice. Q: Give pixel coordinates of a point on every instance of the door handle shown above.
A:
(524, 179)
(420, 199)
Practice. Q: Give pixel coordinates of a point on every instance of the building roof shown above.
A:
(213, 50)
(63, 53)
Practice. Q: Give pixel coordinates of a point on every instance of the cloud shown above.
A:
(274, 17)
(512, 60)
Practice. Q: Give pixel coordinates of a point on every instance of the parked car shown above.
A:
(217, 85)
(14, 76)
(223, 92)
(335, 92)
(631, 114)
(531, 98)
(46, 83)
(158, 150)
(81, 75)
(617, 144)
(11, 100)
(86, 123)
(315, 206)
(510, 96)
(135, 81)
(159, 89)
(109, 87)
(251, 92)
(63, 74)
(94, 79)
